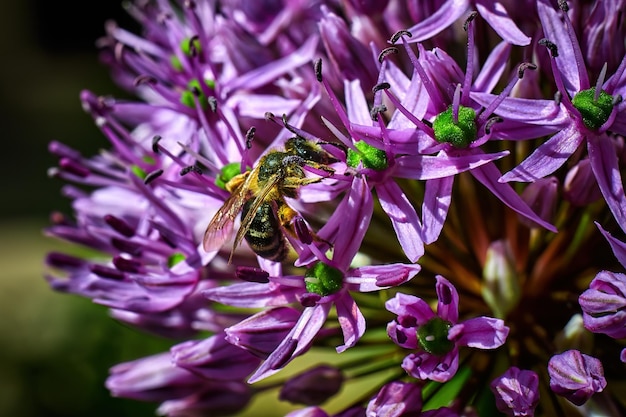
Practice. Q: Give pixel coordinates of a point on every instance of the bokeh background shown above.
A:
(55, 349)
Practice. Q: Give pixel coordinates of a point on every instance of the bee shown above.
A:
(260, 194)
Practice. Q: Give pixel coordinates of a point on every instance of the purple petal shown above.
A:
(425, 167)
(437, 199)
(396, 399)
(604, 163)
(493, 68)
(447, 300)
(253, 295)
(487, 175)
(516, 392)
(296, 343)
(480, 332)
(379, 277)
(351, 321)
(548, 157)
(531, 111)
(405, 305)
(403, 218)
(498, 18)
(618, 247)
(445, 16)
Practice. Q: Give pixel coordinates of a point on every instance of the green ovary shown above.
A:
(433, 336)
(459, 134)
(323, 279)
(371, 157)
(594, 112)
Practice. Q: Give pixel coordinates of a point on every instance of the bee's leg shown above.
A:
(236, 181)
(298, 229)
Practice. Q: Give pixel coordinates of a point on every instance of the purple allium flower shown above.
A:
(576, 376)
(438, 336)
(396, 399)
(517, 392)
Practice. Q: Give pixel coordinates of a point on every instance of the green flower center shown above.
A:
(371, 157)
(433, 336)
(227, 173)
(460, 133)
(175, 258)
(194, 88)
(594, 112)
(323, 279)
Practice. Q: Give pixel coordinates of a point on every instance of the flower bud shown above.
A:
(574, 336)
(313, 386)
(576, 376)
(500, 289)
(516, 392)
(396, 399)
(541, 196)
(580, 187)
(604, 304)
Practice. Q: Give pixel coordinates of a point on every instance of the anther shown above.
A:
(317, 66)
(155, 143)
(119, 225)
(383, 54)
(381, 86)
(563, 5)
(249, 136)
(490, 122)
(558, 97)
(469, 19)
(376, 110)
(106, 272)
(212, 103)
(616, 99)
(193, 50)
(144, 79)
(186, 170)
(554, 51)
(396, 36)
(152, 176)
(252, 274)
(523, 67)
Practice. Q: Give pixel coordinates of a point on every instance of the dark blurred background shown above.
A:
(55, 349)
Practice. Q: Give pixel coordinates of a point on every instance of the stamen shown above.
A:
(558, 97)
(383, 54)
(376, 110)
(119, 225)
(212, 103)
(152, 176)
(381, 86)
(469, 20)
(317, 67)
(456, 102)
(563, 5)
(155, 143)
(490, 122)
(396, 36)
(252, 274)
(249, 136)
(186, 170)
(600, 82)
(554, 51)
(617, 99)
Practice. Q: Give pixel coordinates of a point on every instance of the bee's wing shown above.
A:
(259, 199)
(220, 227)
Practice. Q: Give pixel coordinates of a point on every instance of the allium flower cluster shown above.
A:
(421, 189)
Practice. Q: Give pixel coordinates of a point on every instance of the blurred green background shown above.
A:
(55, 349)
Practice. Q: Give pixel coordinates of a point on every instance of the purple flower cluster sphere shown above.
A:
(423, 195)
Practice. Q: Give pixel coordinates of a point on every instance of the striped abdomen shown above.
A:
(265, 236)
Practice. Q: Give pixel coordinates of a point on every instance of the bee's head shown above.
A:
(308, 150)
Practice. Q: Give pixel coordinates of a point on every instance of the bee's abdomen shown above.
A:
(264, 235)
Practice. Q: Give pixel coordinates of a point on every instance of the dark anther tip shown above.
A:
(396, 36)
(383, 54)
(212, 103)
(152, 176)
(381, 86)
(523, 67)
(155, 143)
(563, 5)
(490, 122)
(469, 20)
(250, 136)
(554, 51)
(144, 79)
(191, 168)
(317, 66)
(269, 115)
(616, 99)
(376, 110)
